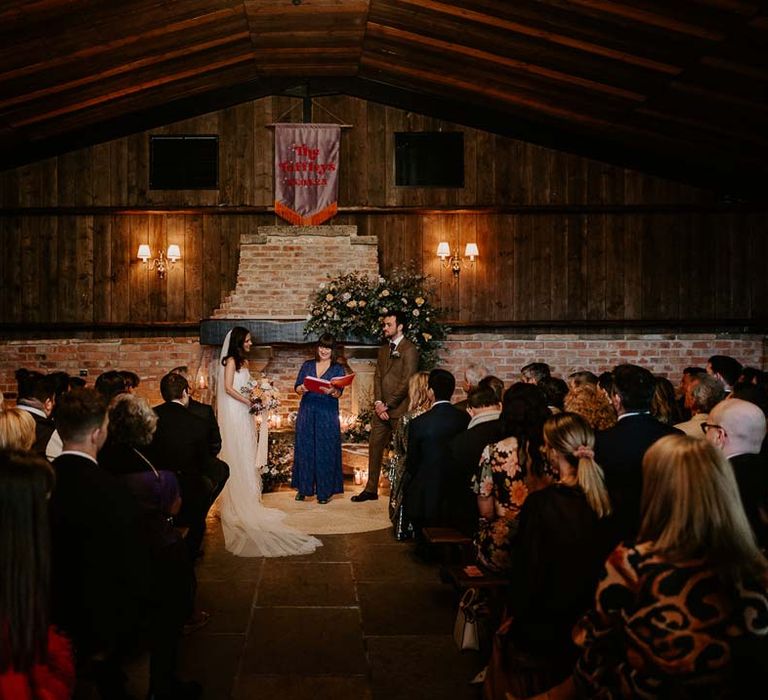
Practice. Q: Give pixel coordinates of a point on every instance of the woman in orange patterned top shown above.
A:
(683, 612)
(509, 470)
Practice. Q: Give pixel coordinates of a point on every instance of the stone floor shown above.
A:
(361, 619)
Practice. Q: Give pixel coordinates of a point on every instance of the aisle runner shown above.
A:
(337, 517)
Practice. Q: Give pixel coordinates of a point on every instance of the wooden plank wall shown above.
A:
(674, 262)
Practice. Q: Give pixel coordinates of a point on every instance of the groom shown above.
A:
(398, 359)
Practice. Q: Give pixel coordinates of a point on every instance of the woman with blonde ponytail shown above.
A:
(557, 555)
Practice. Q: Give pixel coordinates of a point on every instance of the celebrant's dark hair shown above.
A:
(235, 349)
(326, 340)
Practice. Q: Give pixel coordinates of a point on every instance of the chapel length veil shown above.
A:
(250, 529)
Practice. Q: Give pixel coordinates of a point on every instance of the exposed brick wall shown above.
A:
(281, 267)
(504, 356)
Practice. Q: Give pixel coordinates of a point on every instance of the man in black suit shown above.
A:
(428, 454)
(737, 429)
(36, 395)
(100, 566)
(216, 470)
(180, 445)
(460, 502)
(620, 449)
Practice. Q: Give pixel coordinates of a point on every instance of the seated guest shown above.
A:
(494, 383)
(36, 394)
(619, 450)
(131, 427)
(737, 429)
(591, 404)
(109, 384)
(472, 376)
(100, 563)
(216, 470)
(682, 612)
(664, 407)
(509, 470)
(726, 369)
(534, 372)
(35, 660)
(562, 537)
(460, 503)
(580, 378)
(17, 429)
(418, 402)
(427, 455)
(703, 393)
(180, 445)
(554, 390)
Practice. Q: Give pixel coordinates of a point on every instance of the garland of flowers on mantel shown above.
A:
(352, 306)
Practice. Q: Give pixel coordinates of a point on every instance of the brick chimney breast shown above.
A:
(281, 268)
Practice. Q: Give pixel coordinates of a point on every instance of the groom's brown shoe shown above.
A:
(364, 496)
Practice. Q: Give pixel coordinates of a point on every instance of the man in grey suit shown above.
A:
(398, 359)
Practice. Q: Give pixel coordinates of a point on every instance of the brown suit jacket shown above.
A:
(390, 381)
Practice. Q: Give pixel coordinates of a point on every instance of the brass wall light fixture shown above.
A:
(452, 260)
(163, 262)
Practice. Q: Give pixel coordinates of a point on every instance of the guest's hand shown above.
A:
(300, 389)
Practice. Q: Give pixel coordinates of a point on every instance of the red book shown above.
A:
(317, 385)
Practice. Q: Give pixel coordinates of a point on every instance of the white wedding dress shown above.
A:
(250, 529)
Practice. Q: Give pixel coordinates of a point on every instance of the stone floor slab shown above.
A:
(213, 660)
(306, 583)
(389, 562)
(229, 603)
(303, 688)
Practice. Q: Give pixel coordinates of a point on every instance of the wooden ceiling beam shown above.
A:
(545, 35)
(379, 30)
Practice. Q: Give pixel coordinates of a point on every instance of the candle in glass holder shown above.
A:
(277, 421)
(358, 477)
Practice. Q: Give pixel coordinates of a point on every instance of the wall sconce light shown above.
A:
(452, 261)
(163, 261)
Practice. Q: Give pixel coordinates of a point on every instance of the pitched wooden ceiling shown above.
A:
(677, 88)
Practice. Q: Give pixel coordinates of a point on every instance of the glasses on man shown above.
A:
(707, 426)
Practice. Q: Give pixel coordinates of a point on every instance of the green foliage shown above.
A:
(279, 464)
(352, 306)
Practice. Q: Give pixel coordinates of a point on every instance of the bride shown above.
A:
(250, 529)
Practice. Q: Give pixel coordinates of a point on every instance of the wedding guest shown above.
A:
(703, 393)
(562, 537)
(605, 384)
(534, 372)
(496, 384)
(428, 454)
(131, 379)
(690, 374)
(217, 470)
(99, 562)
(682, 611)
(576, 379)
(76, 383)
(473, 373)
(460, 502)
(591, 404)
(418, 402)
(109, 384)
(132, 424)
(317, 451)
(664, 406)
(180, 445)
(726, 369)
(397, 360)
(36, 394)
(36, 661)
(17, 429)
(509, 470)
(554, 390)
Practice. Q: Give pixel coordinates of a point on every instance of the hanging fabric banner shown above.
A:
(306, 172)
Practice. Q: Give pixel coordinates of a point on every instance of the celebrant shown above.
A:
(317, 453)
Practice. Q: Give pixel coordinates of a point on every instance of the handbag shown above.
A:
(465, 628)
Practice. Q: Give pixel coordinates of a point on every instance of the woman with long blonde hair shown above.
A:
(683, 612)
(418, 402)
(17, 429)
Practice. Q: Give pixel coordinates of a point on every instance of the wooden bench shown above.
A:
(455, 546)
(462, 580)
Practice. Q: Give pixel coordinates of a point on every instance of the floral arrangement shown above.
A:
(353, 305)
(262, 394)
(277, 470)
(360, 429)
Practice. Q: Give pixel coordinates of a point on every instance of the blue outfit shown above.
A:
(317, 453)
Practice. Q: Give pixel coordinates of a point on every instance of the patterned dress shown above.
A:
(402, 527)
(671, 630)
(502, 476)
(317, 454)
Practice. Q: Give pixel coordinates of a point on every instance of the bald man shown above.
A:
(737, 428)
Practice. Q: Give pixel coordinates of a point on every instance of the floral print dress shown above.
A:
(501, 476)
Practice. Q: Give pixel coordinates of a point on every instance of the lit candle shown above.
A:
(278, 421)
(201, 382)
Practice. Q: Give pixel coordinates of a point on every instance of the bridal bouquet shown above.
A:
(262, 394)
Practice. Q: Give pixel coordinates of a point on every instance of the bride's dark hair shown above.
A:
(235, 349)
